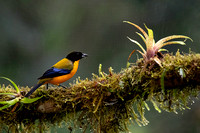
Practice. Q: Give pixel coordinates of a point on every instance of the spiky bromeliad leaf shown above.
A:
(150, 39)
(9, 103)
(13, 83)
(7, 94)
(144, 40)
(27, 100)
(164, 41)
(137, 44)
(138, 27)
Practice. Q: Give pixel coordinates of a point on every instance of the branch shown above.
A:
(109, 102)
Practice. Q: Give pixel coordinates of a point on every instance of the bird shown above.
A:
(60, 72)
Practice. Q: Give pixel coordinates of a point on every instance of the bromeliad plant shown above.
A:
(153, 49)
(17, 97)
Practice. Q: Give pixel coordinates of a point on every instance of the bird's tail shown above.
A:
(33, 89)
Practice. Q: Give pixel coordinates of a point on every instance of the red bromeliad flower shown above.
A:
(153, 48)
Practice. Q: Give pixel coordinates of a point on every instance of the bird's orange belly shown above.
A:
(60, 79)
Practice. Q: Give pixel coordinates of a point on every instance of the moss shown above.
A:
(109, 102)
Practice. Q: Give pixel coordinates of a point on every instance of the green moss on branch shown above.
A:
(110, 102)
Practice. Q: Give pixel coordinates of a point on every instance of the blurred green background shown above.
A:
(35, 34)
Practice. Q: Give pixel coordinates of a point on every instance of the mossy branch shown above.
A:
(109, 102)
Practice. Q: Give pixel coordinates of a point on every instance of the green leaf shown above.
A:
(137, 44)
(162, 42)
(161, 50)
(8, 103)
(4, 102)
(7, 94)
(138, 27)
(11, 102)
(173, 42)
(27, 100)
(4, 107)
(141, 37)
(13, 83)
(150, 32)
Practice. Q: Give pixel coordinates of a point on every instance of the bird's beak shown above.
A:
(84, 55)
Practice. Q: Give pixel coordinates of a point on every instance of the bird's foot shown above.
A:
(62, 86)
(47, 86)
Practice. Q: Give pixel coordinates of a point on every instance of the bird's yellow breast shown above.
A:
(60, 79)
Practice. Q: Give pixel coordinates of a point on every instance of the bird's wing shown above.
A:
(54, 72)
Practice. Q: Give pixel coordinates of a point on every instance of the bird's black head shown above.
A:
(74, 56)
